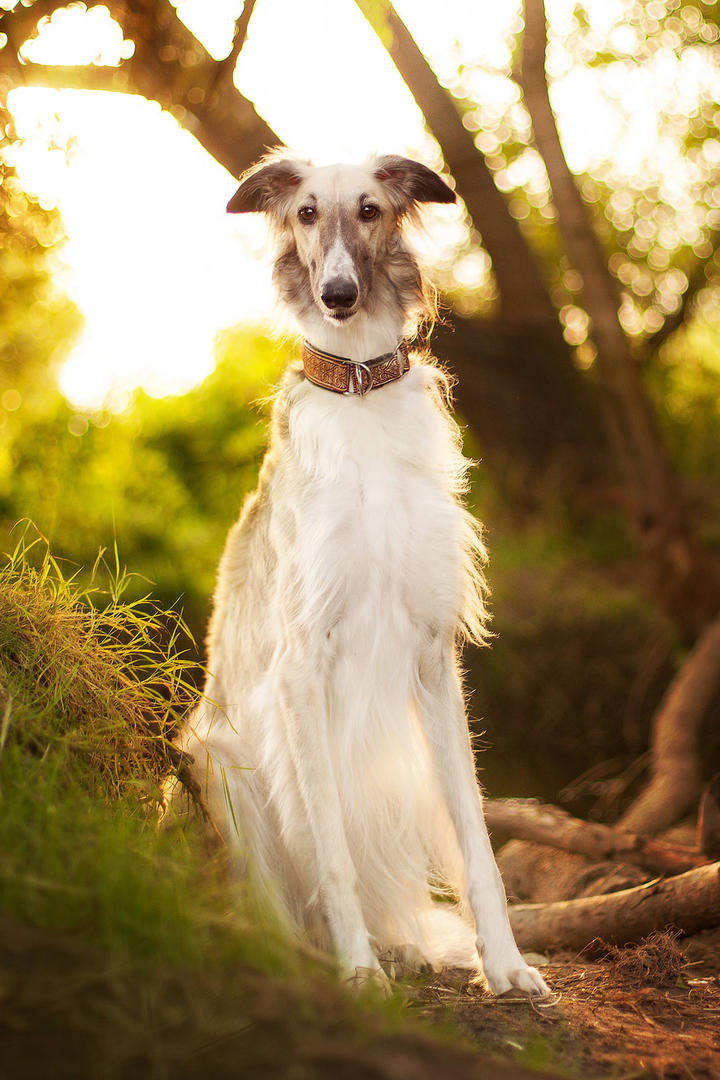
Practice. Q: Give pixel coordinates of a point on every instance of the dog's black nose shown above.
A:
(339, 293)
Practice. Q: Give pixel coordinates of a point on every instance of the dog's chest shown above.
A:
(378, 524)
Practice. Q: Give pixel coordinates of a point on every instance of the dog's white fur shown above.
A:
(332, 739)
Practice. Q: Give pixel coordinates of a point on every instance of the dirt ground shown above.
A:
(649, 1011)
(71, 1012)
(68, 1012)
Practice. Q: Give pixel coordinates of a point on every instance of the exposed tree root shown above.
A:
(527, 819)
(688, 902)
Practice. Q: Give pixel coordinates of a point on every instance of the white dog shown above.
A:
(332, 742)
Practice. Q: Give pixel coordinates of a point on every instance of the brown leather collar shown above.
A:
(345, 376)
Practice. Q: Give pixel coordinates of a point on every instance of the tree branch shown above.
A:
(226, 67)
(169, 66)
(523, 292)
(65, 77)
(173, 67)
(526, 819)
(688, 902)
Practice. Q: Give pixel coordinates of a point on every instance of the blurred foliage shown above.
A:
(685, 381)
(37, 322)
(657, 207)
(579, 665)
(163, 480)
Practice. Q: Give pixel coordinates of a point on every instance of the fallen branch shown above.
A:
(688, 902)
(526, 819)
(537, 874)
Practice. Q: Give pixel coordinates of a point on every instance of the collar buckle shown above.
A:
(362, 370)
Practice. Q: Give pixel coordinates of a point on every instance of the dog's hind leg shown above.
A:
(304, 723)
(442, 713)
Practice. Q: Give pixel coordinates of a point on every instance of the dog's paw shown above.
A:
(514, 978)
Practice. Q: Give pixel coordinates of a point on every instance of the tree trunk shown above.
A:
(630, 420)
(536, 421)
(519, 387)
(675, 778)
(526, 819)
(524, 297)
(689, 902)
(683, 579)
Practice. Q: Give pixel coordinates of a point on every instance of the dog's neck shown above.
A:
(361, 338)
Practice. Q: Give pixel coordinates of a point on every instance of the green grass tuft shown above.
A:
(98, 684)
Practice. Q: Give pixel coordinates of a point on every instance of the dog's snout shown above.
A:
(339, 293)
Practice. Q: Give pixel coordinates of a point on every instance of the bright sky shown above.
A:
(153, 261)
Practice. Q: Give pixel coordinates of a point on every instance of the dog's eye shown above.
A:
(307, 214)
(368, 212)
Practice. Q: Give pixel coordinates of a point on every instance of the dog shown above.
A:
(332, 742)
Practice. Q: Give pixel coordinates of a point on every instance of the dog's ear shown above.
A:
(407, 182)
(266, 186)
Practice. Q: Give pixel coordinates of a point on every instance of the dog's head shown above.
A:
(339, 223)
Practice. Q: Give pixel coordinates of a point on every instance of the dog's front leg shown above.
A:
(306, 733)
(442, 712)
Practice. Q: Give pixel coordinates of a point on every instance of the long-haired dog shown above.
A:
(332, 741)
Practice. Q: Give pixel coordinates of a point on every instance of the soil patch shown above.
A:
(71, 1012)
(651, 1010)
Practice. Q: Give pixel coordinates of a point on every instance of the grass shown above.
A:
(97, 683)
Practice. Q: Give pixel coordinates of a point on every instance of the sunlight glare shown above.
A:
(154, 265)
(157, 267)
(74, 35)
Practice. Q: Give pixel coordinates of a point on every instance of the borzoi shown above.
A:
(332, 741)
